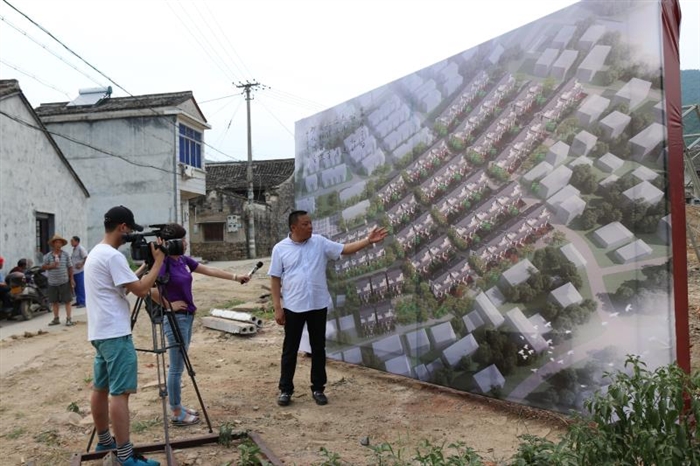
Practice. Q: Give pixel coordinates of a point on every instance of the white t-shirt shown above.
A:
(106, 273)
(302, 268)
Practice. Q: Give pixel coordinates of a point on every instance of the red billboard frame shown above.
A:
(671, 23)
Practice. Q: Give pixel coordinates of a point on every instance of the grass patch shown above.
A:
(516, 377)
(228, 304)
(16, 433)
(142, 426)
(48, 437)
(614, 280)
(265, 314)
(585, 290)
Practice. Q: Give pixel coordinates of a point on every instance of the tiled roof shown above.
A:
(8, 86)
(116, 103)
(232, 175)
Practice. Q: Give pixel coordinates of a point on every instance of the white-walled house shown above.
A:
(145, 152)
(40, 193)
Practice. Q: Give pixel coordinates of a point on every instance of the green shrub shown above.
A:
(642, 419)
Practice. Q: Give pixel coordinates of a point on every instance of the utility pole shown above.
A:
(249, 174)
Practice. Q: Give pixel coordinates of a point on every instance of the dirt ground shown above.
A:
(42, 374)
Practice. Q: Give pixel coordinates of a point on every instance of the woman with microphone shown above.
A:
(177, 296)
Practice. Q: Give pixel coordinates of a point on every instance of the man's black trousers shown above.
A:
(294, 325)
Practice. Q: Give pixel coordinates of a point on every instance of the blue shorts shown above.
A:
(116, 365)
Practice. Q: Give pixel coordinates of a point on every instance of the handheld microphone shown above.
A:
(255, 269)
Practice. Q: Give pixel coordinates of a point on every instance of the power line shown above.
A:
(65, 46)
(224, 72)
(109, 79)
(34, 77)
(277, 119)
(219, 98)
(293, 103)
(49, 50)
(298, 98)
(206, 24)
(240, 102)
(211, 115)
(229, 42)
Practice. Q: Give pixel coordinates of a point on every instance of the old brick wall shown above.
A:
(215, 207)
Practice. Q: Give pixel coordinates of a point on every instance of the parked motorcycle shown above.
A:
(28, 292)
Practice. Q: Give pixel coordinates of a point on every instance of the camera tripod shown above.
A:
(157, 315)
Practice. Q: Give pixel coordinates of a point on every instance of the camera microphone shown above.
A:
(255, 269)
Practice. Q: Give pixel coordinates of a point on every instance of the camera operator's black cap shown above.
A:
(121, 214)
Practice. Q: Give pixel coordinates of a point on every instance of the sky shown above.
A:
(308, 55)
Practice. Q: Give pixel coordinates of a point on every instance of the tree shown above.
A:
(583, 178)
(512, 294)
(483, 354)
(548, 85)
(456, 144)
(570, 126)
(537, 282)
(588, 219)
(475, 158)
(550, 311)
(558, 238)
(608, 213)
(440, 129)
(527, 294)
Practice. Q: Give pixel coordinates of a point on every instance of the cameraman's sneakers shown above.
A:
(55, 321)
(112, 446)
(138, 460)
(69, 323)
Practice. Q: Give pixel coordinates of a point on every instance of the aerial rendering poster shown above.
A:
(524, 183)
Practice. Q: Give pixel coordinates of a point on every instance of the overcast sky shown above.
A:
(312, 54)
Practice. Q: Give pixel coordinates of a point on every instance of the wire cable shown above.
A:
(209, 28)
(293, 103)
(107, 77)
(50, 51)
(64, 46)
(240, 102)
(34, 77)
(277, 119)
(219, 98)
(229, 43)
(189, 31)
(298, 98)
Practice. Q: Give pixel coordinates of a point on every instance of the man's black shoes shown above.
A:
(320, 398)
(284, 399)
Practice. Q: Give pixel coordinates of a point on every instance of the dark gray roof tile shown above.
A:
(116, 103)
(233, 175)
(8, 86)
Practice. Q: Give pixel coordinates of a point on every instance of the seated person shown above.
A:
(22, 266)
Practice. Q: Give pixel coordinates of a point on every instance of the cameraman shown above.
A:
(108, 279)
(177, 292)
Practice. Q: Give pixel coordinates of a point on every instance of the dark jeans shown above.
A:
(293, 327)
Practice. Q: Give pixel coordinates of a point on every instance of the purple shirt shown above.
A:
(179, 287)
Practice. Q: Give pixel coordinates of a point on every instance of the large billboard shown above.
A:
(525, 185)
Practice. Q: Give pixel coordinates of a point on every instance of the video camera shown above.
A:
(141, 249)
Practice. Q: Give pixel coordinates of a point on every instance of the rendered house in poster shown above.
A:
(523, 184)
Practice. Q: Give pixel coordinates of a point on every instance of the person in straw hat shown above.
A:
(59, 269)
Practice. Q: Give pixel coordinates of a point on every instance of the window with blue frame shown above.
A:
(190, 146)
